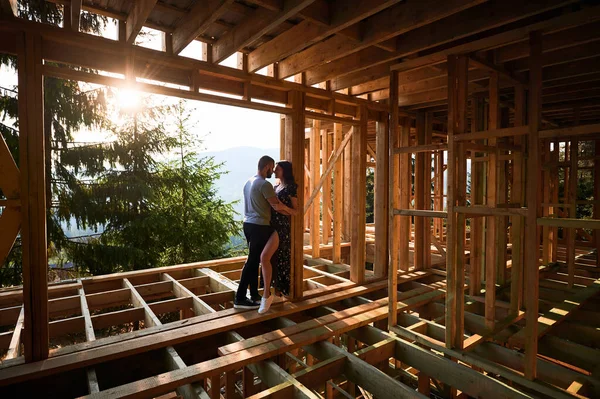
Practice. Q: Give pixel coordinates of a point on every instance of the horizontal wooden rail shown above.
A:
(421, 148)
(593, 224)
(421, 212)
(330, 118)
(494, 133)
(570, 131)
(482, 210)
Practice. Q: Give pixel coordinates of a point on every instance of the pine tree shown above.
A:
(67, 108)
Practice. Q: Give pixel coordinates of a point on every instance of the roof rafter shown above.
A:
(454, 27)
(308, 32)
(75, 14)
(137, 17)
(197, 21)
(381, 27)
(255, 26)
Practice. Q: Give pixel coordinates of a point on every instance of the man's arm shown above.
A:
(269, 194)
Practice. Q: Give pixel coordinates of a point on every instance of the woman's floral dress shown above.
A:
(281, 260)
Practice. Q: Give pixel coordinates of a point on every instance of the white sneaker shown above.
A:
(265, 304)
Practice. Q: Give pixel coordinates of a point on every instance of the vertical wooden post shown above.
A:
(596, 199)
(572, 201)
(394, 198)
(477, 224)
(458, 66)
(337, 196)
(167, 43)
(546, 178)
(294, 152)
(381, 199)
(427, 191)
(405, 191)
(532, 272)
(315, 172)
(491, 261)
(358, 202)
(33, 196)
(326, 229)
(347, 225)
(419, 180)
(516, 237)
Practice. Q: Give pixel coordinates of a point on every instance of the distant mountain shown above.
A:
(240, 163)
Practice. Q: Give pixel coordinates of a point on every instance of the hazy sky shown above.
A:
(219, 126)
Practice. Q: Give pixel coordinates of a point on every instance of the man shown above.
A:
(259, 197)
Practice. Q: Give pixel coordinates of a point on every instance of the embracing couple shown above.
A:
(267, 214)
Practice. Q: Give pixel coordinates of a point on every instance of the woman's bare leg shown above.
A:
(265, 260)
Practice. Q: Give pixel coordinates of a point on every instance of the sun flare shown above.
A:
(129, 99)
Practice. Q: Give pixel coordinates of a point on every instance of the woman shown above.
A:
(279, 247)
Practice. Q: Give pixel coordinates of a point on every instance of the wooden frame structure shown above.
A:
(476, 277)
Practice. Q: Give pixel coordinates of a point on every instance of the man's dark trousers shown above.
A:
(257, 236)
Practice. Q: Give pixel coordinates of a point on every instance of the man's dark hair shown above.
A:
(264, 161)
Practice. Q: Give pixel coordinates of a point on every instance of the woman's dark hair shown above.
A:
(288, 173)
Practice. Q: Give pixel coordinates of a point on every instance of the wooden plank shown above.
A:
(457, 84)
(405, 196)
(75, 14)
(421, 148)
(92, 379)
(491, 249)
(570, 131)
(294, 151)
(167, 381)
(494, 133)
(197, 21)
(572, 199)
(547, 320)
(140, 11)
(394, 202)
(381, 27)
(315, 169)
(421, 213)
(308, 32)
(326, 229)
(419, 195)
(381, 205)
(337, 193)
(517, 196)
(592, 224)
(14, 348)
(10, 222)
(171, 334)
(331, 164)
(564, 20)
(199, 306)
(358, 201)
(33, 197)
(261, 22)
(531, 231)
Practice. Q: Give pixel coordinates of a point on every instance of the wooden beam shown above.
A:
(14, 348)
(140, 11)
(75, 14)
(574, 18)
(394, 202)
(337, 194)
(533, 184)
(33, 197)
(308, 32)
(326, 151)
(197, 21)
(457, 96)
(334, 158)
(294, 141)
(381, 205)
(380, 27)
(358, 204)
(315, 166)
(258, 24)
